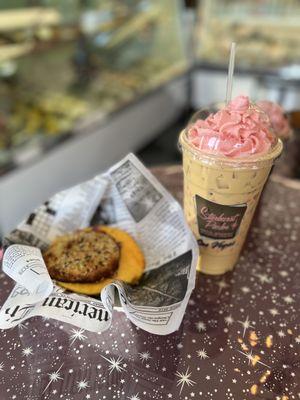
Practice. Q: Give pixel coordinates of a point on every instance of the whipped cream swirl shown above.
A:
(238, 130)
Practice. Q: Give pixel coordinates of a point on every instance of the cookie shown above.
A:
(87, 255)
(130, 269)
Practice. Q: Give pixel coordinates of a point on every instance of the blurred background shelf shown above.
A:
(83, 155)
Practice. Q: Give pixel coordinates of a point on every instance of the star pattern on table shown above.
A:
(77, 334)
(184, 379)
(246, 325)
(288, 299)
(202, 354)
(229, 320)
(144, 356)
(82, 385)
(252, 358)
(115, 364)
(200, 326)
(274, 311)
(283, 273)
(27, 351)
(245, 289)
(54, 377)
(222, 285)
(281, 333)
(263, 278)
(134, 397)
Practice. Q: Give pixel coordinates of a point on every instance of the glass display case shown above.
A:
(63, 63)
(267, 32)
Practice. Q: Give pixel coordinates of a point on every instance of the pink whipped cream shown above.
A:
(238, 130)
(279, 121)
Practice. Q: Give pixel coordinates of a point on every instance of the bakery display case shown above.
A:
(65, 65)
(266, 31)
(267, 53)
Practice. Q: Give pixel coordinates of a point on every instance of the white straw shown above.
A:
(230, 72)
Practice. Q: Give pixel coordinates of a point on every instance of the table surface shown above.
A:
(240, 337)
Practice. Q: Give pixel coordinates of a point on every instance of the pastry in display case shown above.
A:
(62, 63)
(267, 32)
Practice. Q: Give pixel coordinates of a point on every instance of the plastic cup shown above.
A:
(220, 197)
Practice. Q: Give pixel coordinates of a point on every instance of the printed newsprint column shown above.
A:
(162, 230)
(126, 196)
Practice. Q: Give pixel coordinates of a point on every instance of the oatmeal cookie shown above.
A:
(87, 255)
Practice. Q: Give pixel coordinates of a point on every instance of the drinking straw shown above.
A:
(230, 72)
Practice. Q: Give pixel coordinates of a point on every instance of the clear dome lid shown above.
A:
(237, 130)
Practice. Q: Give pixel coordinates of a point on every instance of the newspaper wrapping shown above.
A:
(129, 197)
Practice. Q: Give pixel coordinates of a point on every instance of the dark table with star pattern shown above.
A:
(240, 337)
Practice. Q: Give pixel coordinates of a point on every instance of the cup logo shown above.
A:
(218, 221)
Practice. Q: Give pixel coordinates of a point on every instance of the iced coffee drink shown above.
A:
(227, 157)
